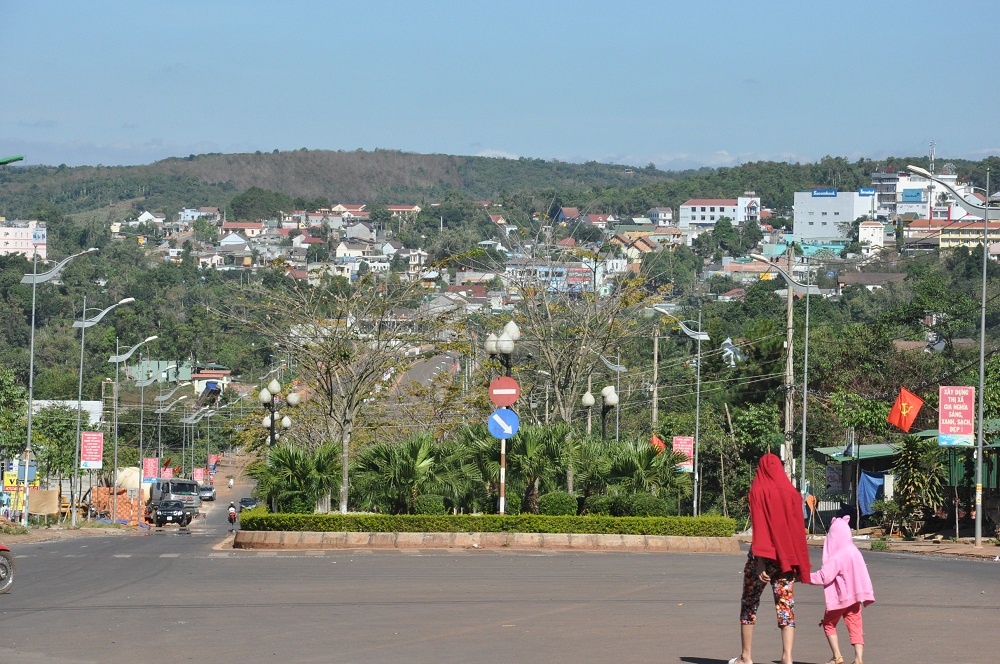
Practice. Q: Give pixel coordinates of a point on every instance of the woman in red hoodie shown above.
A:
(778, 554)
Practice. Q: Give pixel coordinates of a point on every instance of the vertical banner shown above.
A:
(149, 467)
(684, 445)
(91, 450)
(213, 461)
(198, 475)
(167, 473)
(956, 416)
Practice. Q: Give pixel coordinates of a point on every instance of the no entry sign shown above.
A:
(504, 391)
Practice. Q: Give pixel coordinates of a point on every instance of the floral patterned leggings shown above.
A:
(781, 584)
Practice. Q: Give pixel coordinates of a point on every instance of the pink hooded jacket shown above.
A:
(844, 575)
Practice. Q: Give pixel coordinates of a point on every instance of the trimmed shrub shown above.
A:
(598, 505)
(701, 526)
(429, 503)
(557, 503)
(644, 504)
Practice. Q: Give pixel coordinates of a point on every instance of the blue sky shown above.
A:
(680, 83)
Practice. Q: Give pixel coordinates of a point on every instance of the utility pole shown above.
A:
(786, 448)
(656, 362)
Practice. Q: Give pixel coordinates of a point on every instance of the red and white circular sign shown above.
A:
(504, 391)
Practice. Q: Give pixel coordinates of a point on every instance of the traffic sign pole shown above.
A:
(503, 474)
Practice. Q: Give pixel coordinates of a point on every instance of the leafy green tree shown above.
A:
(13, 414)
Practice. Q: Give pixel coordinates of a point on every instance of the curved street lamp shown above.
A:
(988, 211)
(83, 325)
(34, 279)
(698, 335)
(118, 359)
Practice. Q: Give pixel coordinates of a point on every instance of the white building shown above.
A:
(702, 213)
(871, 236)
(661, 216)
(827, 214)
(22, 237)
(907, 194)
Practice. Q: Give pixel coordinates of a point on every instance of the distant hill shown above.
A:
(390, 176)
(384, 176)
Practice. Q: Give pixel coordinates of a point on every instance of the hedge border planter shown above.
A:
(483, 541)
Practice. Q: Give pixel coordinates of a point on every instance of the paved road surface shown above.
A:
(171, 596)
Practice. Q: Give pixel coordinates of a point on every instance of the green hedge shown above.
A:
(703, 526)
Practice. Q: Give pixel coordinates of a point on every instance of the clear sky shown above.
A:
(676, 83)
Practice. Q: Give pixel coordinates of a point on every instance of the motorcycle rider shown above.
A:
(232, 513)
(230, 482)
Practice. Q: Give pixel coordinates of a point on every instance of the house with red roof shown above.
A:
(567, 214)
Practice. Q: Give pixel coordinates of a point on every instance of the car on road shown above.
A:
(172, 511)
(247, 503)
(207, 492)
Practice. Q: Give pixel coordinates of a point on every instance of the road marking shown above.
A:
(118, 555)
(170, 555)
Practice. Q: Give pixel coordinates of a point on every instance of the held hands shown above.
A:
(761, 570)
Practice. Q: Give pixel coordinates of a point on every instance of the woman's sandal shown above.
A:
(836, 660)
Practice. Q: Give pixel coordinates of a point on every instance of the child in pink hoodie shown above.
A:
(847, 587)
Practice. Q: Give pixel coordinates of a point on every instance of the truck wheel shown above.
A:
(7, 568)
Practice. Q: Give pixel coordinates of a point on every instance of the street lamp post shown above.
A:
(699, 336)
(34, 279)
(83, 325)
(609, 401)
(988, 211)
(117, 359)
(618, 369)
(268, 397)
(504, 347)
(142, 407)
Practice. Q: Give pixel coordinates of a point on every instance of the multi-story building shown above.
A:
(702, 213)
(827, 214)
(900, 194)
(661, 216)
(25, 237)
(951, 234)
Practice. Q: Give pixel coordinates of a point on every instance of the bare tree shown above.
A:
(348, 342)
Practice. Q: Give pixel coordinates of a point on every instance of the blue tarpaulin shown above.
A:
(870, 488)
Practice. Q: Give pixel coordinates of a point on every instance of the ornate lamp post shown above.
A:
(504, 347)
(268, 397)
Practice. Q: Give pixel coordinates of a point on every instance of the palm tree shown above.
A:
(534, 459)
(294, 478)
(391, 476)
(638, 467)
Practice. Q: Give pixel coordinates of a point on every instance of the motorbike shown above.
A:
(7, 568)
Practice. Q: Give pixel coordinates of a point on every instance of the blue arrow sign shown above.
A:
(503, 423)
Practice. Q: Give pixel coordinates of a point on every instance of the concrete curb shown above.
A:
(249, 539)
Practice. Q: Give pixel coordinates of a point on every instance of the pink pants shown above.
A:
(852, 618)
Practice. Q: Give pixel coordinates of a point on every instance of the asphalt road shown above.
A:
(175, 596)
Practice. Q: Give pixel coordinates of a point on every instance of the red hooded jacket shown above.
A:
(776, 516)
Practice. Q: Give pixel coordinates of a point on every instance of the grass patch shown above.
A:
(879, 545)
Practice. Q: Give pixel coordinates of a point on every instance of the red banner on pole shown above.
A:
(91, 450)
(167, 473)
(149, 467)
(956, 416)
(198, 475)
(684, 445)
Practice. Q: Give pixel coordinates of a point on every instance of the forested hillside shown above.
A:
(388, 176)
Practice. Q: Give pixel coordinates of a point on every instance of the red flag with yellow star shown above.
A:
(905, 410)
